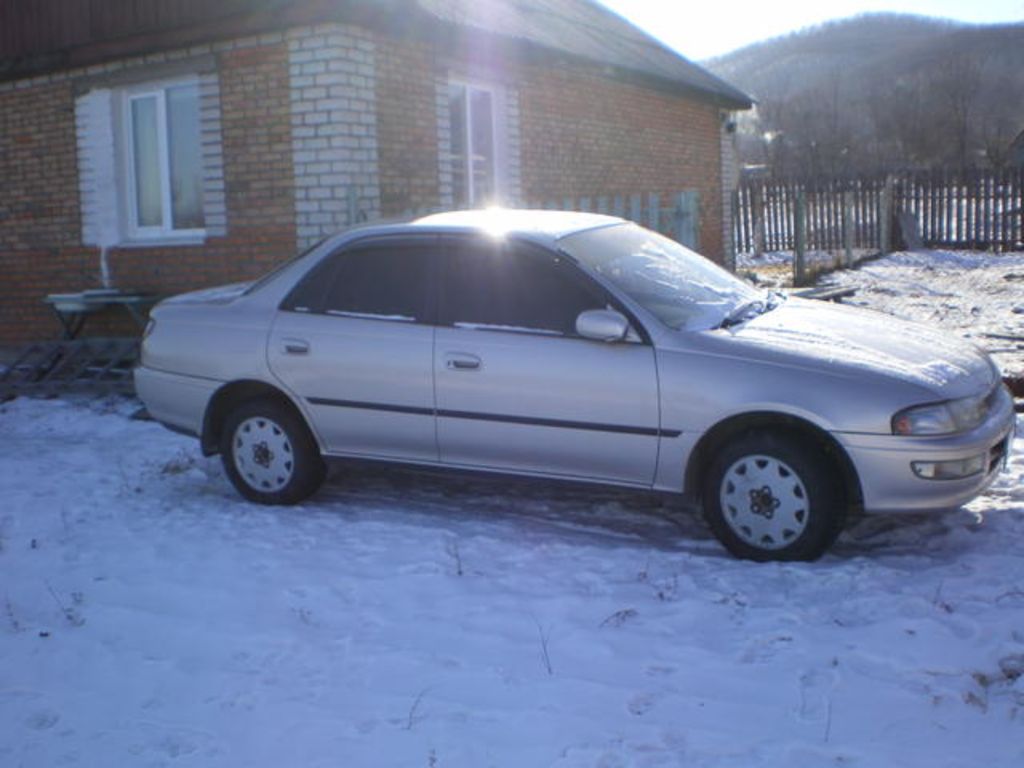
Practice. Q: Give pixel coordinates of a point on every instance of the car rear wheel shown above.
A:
(269, 454)
(773, 497)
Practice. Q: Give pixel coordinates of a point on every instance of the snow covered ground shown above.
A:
(149, 617)
(752, 262)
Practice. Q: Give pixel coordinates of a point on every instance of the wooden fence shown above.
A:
(975, 210)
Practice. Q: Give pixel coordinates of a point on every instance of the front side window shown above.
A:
(164, 160)
(474, 161)
(515, 289)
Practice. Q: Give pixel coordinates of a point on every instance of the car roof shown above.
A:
(533, 224)
(542, 227)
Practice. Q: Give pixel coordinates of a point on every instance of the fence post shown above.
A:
(799, 265)
(735, 236)
(757, 208)
(885, 217)
(847, 228)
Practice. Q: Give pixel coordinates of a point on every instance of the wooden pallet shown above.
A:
(826, 292)
(91, 366)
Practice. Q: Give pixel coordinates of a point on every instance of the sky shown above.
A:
(699, 30)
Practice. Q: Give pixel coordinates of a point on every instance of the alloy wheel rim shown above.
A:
(764, 502)
(263, 454)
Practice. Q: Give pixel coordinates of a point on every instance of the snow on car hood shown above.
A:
(853, 338)
(222, 294)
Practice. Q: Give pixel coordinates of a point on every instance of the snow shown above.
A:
(507, 328)
(371, 316)
(220, 293)
(753, 261)
(150, 617)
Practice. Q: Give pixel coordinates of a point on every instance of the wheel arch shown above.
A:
(231, 395)
(728, 429)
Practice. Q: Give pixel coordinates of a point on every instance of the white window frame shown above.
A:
(166, 230)
(497, 114)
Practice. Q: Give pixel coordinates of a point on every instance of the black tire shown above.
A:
(269, 454)
(771, 496)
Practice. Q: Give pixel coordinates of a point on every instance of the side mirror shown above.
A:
(602, 325)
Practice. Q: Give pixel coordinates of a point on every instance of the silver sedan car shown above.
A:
(582, 347)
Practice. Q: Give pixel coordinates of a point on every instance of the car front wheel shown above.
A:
(772, 497)
(269, 454)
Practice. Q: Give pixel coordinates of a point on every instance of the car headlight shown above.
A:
(944, 418)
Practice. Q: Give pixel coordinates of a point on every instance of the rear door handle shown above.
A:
(458, 361)
(295, 346)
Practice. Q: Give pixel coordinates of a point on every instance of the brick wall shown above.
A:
(730, 181)
(39, 220)
(583, 134)
(40, 227)
(407, 126)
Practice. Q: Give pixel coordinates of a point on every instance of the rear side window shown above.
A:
(515, 288)
(378, 282)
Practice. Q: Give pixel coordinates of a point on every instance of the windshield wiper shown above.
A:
(743, 312)
(752, 308)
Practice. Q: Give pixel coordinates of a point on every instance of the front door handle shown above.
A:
(295, 346)
(457, 361)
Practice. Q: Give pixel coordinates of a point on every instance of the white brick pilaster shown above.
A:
(334, 129)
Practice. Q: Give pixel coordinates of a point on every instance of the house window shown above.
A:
(164, 161)
(473, 144)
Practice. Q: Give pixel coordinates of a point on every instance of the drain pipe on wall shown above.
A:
(104, 268)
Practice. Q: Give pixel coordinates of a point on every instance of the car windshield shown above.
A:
(679, 287)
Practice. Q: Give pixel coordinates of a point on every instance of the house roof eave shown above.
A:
(639, 57)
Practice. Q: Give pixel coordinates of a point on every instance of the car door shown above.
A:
(518, 389)
(354, 342)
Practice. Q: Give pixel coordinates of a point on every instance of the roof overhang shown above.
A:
(403, 18)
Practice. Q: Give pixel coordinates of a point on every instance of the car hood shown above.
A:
(222, 294)
(854, 340)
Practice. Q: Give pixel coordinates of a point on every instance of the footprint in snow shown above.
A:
(816, 686)
(176, 746)
(765, 648)
(660, 671)
(42, 720)
(641, 704)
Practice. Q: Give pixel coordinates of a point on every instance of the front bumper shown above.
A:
(884, 463)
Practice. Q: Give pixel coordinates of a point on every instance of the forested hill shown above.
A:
(885, 88)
